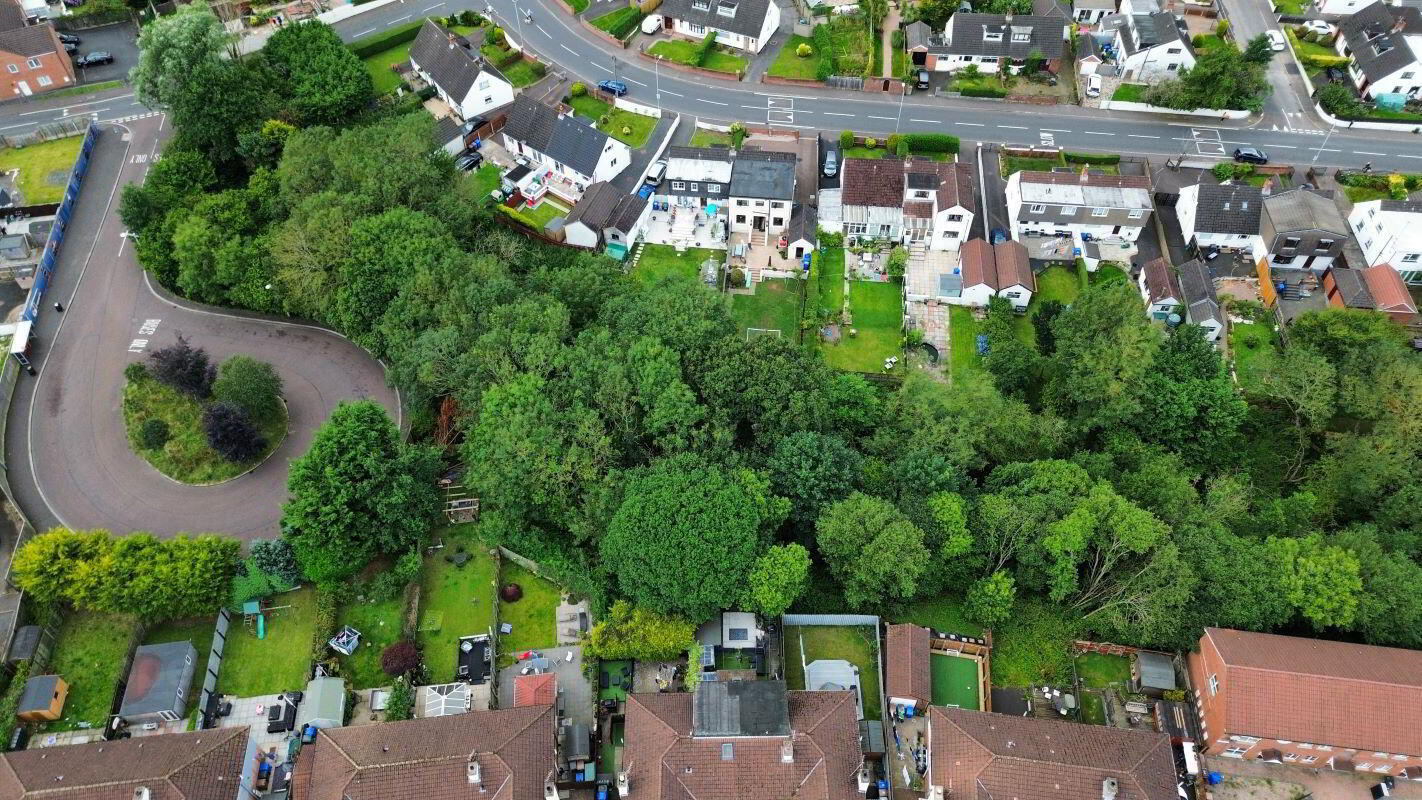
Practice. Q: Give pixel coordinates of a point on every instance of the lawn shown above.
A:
(533, 617)
(252, 666)
(199, 631)
(881, 151)
(734, 659)
(853, 643)
(619, 21)
(962, 341)
(454, 601)
(1013, 164)
(1105, 274)
(944, 613)
(1248, 343)
(877, 309)
(829, 266)
(851, 40)
(545, 212)
(684, 52)
(521, 74)
(1362, 194)
(90, 652)
(186, 457)
(660, 260)
(789, 65)
(88, 88)
(955, 681)
(705, 138)
(1303, 48)
(1210, 41)
(984, 83)
(1294, 7)
(1034, 645)
(379, 623)
(1057, 283)
(775, 305)
(380, 65)
(1130, 93)
(1099, 671)
(44, 168)
(486, 179)
(1093, 708)
(637, 127)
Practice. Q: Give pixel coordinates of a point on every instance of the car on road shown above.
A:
(1093, 86)
(651, 24)
(1250, 155)
(1276, 40)
(469, 161)
(831, 164)
(656, 172)
(69, 38)
(1319, 27)
(615, 88)
(94, 59)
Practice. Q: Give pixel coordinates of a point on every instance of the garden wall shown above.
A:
(602, 34)
(637, 108)
(1122, 105)
(1414, 127)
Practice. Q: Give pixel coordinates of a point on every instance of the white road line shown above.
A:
(569, 49)
(402, 19)
(536, 25)
(1401, 155)
(433, 7)
(1141, 136)
(929, 121)
(1366, 153)
(1281, 147)
(836, 114)
(1014, 127)
(601, 67)
(366, 33)
(712, 102)
(755, 108)
(1098, 133)
(1055, 130)
(970, 124)
(634, 80)
(670, 92)
(1325, 149)
(871, 116)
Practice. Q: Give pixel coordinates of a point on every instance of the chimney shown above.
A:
(451, 39)
(143, 793)
(1108, 789)
(787, 752)
(1007, 19)
(624, 786)
(1398, 23)
(473, 771)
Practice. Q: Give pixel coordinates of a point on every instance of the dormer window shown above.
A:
(992, 34)
(726, 9)
(701, 5)
(1021, 36)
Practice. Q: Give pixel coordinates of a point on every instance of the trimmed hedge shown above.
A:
(982, 91)
(621, 22)
(931, 142)
(824, 52)
(521, 218)
(1092, 158)
(1324, 62)
(708, 43)
(381, 42)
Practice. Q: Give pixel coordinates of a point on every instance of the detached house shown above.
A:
(606, 215)
(925, 203)
(1090, 12)
(563, 144)
(32, 59)
(1302, 229)
(1224, 216)
(1385, 43)
(1202, 305)
(742, 24)
(1159, 289)
(462, 77)
(1390, 232)
(1152, 45)
(998, 42)
(1083, 206)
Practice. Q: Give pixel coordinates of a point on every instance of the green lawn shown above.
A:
(186, 457)
(659, 260)
(1210, 41)
(1057, 283)
(1093, 708)
(454, 601)
(620, 21)
(684, 52)
(775, 304)
(962, 342)
(199, 631)
(521, 74)
(252, 666)
(545, 212)
(852, 42)
(1098, 670)
(1130, 93)
(379, 623)
(860, 151)
(1109, 274)
(955, 681)
(622, 125)
(853, 643)
(88, 657)
(982, 82)
(44, 168)
(380, 65)
(1303, 48)
(579, 6)
(1294, 7)
(88, 88)
(705, 138)
(1034, 645)
(734, 659)
(789, 65)
(1248, 342)
(877, 308)
(533, 617)
(944, 613)
(486, 179)
(1362, 194)
(829, 267)
(1012, 164)
(900, 64)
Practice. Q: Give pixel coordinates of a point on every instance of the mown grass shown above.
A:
(1249, 344)
(1130, 93)
(90, 656)
(186, 457)
(533, 617)
(775, 305)
(684, 52)
(944, 613)
(660, 260)
(43, 168)
(852, 643)
(705, 138)
(454, 601)
(379, 622)
(788, 64)
(877, 310)
(1099, 670)
(252, 666)
(637, 127)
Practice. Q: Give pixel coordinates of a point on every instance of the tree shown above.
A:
(1189, 403)
(183, 367)
(897, 262)
(990, 599)
(172, 47)
(153, 434)
(1104, 349)
(358, 492)
(171, 181)
(275, 557)
(325, 83)
(1341, 101)
(1321, 580)
(1220, 79)
(846, 140)
(778, 578)
(1259, 50)
(631, 632)
(400, 658)
(934, 13)
(1303, 383)
(875, 552)
(218, 103)
(1012, 362)
(1047, 311)
(230, 431)
(249, 384)
(812, 470)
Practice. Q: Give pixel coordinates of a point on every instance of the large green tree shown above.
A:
(873, 550)
(812, 470)
(778, 579)
(172, 47)
(1105, 347)
(325, 82)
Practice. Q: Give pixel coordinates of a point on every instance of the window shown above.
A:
(1308, 759)
(1235, 752)
(1012, 295)
(484, 84)
(1283, 260)
(33, 63)
(1291, 241)
(1324, 244)
(1399, 757)
(1099, 212)
(1136, 213)
(1068, 211)
(778, 221)
(950, 234)
(1291, 757)
(1173, 50)
(1038, 208)
(44, 80)
(701, 5)
(694, 28)
(713, 187)
(726, 10)
(728, 751)
(678, 186)
(992, 36)
(489, 99)
(13, 67)
(921, 195)
(1245, 739)
(695, 187)
(777, 205)
(1305, 746)
(1214, 685)
(955, 217)
(854, 228)
(742, 203)
(1021, 36)
(1172, 66)
(760, 204)
(740, 219)
(886, 230)
(1411, 258)
(1407, 76)
(1363, 766)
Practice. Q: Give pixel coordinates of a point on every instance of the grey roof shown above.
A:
(39, 692)
(1149, 30)
(1157, 670)
(606, 206)
(1405, 206)
(160, 672)
(1046, 35)
(32, 40)
(740, 708)
(1228, 208)
(1198, 288)
(1353, 290)
(703, 153)
(1377, 49)
(24, 642)
(447, 129)
(1108, 5)
(747, 16)
(1048, 8)
(916, 34)
(1303, 210)
(12, 15)
(804, 224)
(563, 137)
(763, 174)
(442, 55)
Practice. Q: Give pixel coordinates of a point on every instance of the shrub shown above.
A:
(1340, 101)
(990, 599)
(825, 49)
(385, 586)
(328, 606)
(898, 39)
(538, 68)
(626, 130)
(1222, 28)
(871, 143)
(846, 140)
(1092, 158)
(381, 42)
(931, 142)
(982, 91)
(1198, 40)
(400, 705)
(399, 658)
(183, 367)
(708, 43)
(892, 143)
(229, 431)
(738, 134)
(804, 50)
(153, 434)
(1310, 36)
(135, 372)
(630, 632)
(1223, 171)
(902, 149)
(578, 90)
(274, 557)
(511, 593)
(898, 261)
(249, 384)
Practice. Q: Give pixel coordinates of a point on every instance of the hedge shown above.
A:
(621, 22)
(708, 43)
(982, 91)
(1092, 158)
(521, 218)
(1323, 62)
(824, 52)
(931, 142)
(380, 42)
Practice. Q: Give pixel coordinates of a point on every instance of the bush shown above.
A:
(846, 140)
(870, 142)
(708, 43)
(1339, 101)
(1198, 40)
(328, 608)
(892, 143)
(399, 658)
(10, 702)
(249, 384)
(1222, 28)
(183, 367)
(230, 431)
(982, 91)
(1323, 62)
(578, 90)
(630, 632)
(135, 372)
(274, 557)
(1092, 158)
(804, 50)
(902, 149)
(381, 42)
(898, 39)
(738, 134)
(931, 142)
(153, 434)
(400, 705)
(1223, 171)
(824, 47)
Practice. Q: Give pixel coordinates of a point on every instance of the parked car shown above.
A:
(999, 235)
(1250, 155)
(616, 88)
(1319, 27)
(1093, 86)
(94, 59)
(921, 80)
(646, 191)
(651, 23)
(1334, 75)
(469, 161)
(831, 164)
(1276, 40)
(69, 38)
(69, 47)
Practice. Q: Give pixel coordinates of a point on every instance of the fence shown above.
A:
(61, 222)
(214, 665)
(845, 82)
(1104, 648)
(829, 619)
(64, 128)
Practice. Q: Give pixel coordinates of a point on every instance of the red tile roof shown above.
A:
(1160, 281)
(203, 765)
(982, 754)
(881, 182)
(978, 264)
(535, 690)
(1013, 266)
(1389, 293)
(906, 663)
(1312, 690)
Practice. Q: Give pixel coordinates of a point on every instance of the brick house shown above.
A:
(175, 766)
(908, 681)
(32, 59)
(1310, 702)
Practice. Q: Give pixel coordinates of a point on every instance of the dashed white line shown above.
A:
(1407, 156)
(1014, 127)
(1325, 149)
(366, 33)
(634, 80)
(1098, 133)
(539, 27)
(754, 108)
(1366, 153)
(601, 67)
(569, 49)
(871, 116)
(1282, 147)
(1141, 136)
(836, 114)
(402, 19)
(712, 102)
(970, 124)
(929, 121)
(1054, 130)
(433, 7)
(670, 92)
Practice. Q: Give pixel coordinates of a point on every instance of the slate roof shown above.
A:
(665, 762)
(748, 20)
(1198, 293)
(1228, 208)
(1108, 5)
(702, 153)
(1312, 690)
(565, 138)
(1302, 210)
(966, 31)
(535, 690)
(1404, 206)
(202, 765)
(159, 673)
(1152, 30)
(1352, 289)
(1048, 8)
(605, 206)
(428, 759)
(982, 754)
(906, 670)
(31, 40)
(39, 693)
(763, 174)
(1377, 50)
(804, 224)
(1388, 291)
(916, 35)
(1159, 281)
(452, 67)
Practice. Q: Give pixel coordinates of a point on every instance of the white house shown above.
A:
(742, 24)
(1223, 216)
(1340, 8)
(762, 193)
(1152, 45)
(1159, 289)
(462, 77)
(997, 41)
(606, 215)
(1084, 206)
(1390, 232)
(913, 202)
(561, 143)
(1202, 306)
(1089, 13)
(1385, 43)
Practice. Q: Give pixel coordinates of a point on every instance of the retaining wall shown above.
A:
(1122, 105)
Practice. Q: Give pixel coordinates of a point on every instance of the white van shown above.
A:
(1093, 86)
(651, 23)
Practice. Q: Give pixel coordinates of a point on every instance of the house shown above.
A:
(158, 683)
(1084, 206)
(460, 74)
(1202, 306)
(1159, 289)
(535, 690)
(1221, 216)
(925, 203)
(1345, 288)
(323, 704)
(1309, 702)
(737, 739)
(908, 682)
(1385, 43)
(201, 765)
(762, 191)
(697, 177)
(1090, 12)
(1302, 229)
(1339, 8)
(1390, 232)
(563, 144)
(803, 234)
(1152, 673)
(606, 215)
(982, 754)
(43, 699)
(1389, 293)
(998, 41)
(1152, 45)
(32, 59)
(743, 24)
(509, 754)
(1000, 270)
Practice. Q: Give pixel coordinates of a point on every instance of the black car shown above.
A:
(69, 38)
(94, 59)
(70, 47)
(469, 161)
(1250, 155)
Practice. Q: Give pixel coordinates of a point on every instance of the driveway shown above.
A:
(121, 40)
(993, 191)
(66, 448)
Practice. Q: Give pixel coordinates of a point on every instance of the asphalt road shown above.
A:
(65, 425)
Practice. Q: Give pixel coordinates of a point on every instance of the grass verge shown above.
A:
(44, 168)
(186, 457)
(1130, 93)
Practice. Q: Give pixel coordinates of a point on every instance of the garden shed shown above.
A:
(1152, 673)
(43, 700)
(324, 704)
(158, 681)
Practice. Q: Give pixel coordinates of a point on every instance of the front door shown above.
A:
(760, 223)
(25, 89)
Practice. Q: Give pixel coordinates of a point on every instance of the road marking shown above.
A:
(871, 116)
(1055, 130)
(402, 19)
(760, 108)
(433, 7)
(569, 49)
(712, 102)
(149, 327)
(634, 80)
(536, 25)
(1325, 149)
(137, 345)
(779, 116)
(1366, 153)
(601, 67)
(1098, 133)
(928, 121)
(780, 101)
(1014, 127)
(1281, 147)
(1407, 156)
(1048, 139)
(1141, 136)
(670, 92)
(139, 158)
(366, 33)
(836, 114)
(970, 124)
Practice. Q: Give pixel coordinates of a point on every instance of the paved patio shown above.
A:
(687, 226)
(575, 694)
(925, 270)
(251, 713)
(1256, 780)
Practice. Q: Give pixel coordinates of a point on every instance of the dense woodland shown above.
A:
(628, 436)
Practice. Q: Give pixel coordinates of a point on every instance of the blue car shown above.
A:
(998, 236)
(646, 191)
(615, 88)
